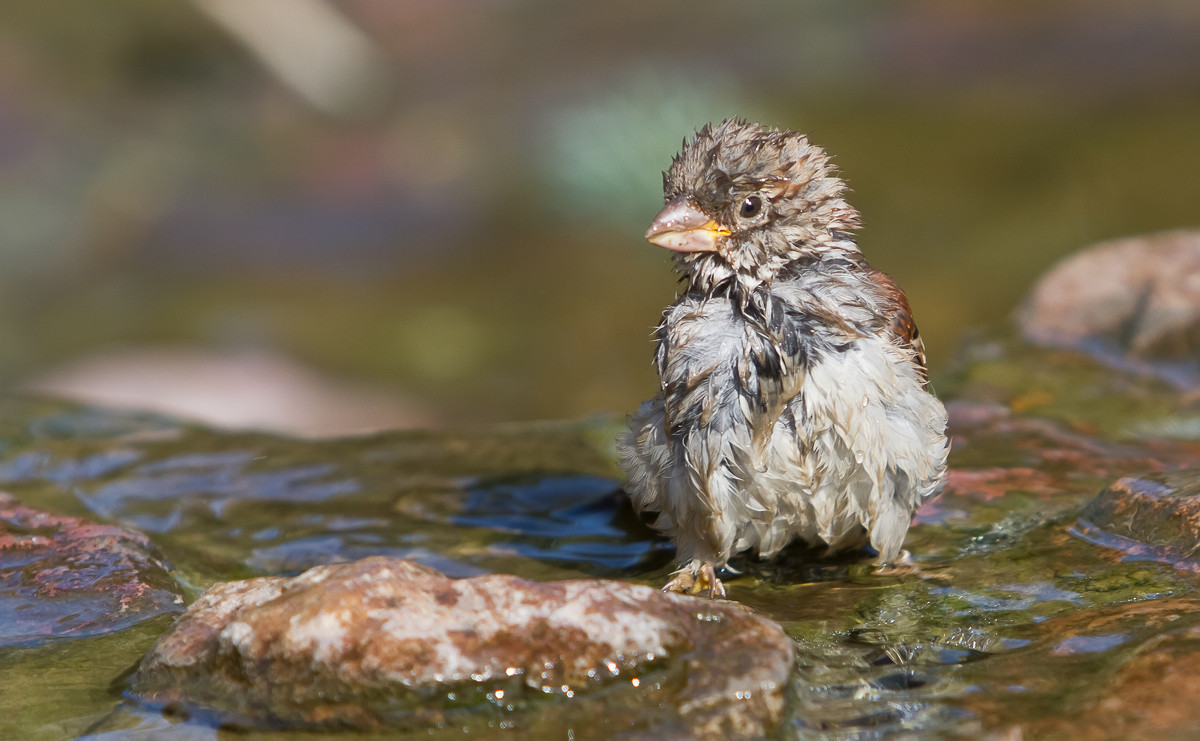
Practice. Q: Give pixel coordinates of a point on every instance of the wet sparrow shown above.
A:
(794, 401)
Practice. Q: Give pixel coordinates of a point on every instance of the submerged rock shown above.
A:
(386, 641)
(66, 577)
(1160, 511)
(1155, 664)
(1143, 696)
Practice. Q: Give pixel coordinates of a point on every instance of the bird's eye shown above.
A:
(751, 207)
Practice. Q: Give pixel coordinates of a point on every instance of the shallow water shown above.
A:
(1018, 616)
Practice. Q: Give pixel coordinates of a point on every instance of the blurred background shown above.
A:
(326, 216)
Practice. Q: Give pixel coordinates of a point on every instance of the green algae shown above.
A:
(63, 687)
(1078, 389)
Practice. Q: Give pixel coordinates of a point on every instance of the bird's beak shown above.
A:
(683, 227)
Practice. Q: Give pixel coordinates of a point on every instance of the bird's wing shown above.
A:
(901, 324)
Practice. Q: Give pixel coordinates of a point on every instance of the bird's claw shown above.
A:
(696, 581)
(904, 565)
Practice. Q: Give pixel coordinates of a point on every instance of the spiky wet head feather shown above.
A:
(800, 206)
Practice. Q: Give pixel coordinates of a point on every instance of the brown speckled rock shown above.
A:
(1142, 294)
(385, 641)
(66, 577)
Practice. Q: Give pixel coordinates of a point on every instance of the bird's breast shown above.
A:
(722, 370)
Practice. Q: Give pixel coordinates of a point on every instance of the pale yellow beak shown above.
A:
(683, 227)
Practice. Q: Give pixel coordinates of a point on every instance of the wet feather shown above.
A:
(794, 401)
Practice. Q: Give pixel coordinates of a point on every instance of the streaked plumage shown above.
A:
(793, 398)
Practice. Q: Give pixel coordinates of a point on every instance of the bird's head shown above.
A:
(742, 202)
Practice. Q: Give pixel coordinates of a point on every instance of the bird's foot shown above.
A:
(904, 565)
(696, 580)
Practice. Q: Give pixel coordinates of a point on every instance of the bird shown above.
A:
(794, 400)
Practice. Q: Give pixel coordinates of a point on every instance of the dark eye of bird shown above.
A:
(751, 207)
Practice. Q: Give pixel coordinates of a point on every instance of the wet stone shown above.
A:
(1140, 294)
(1160, 511)
(387, 642)
(66, 577)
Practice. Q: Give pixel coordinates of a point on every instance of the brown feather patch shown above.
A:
(894, 304)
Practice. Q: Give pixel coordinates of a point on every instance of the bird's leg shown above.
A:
(697, 579)
(708, 580)
(904, 565)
